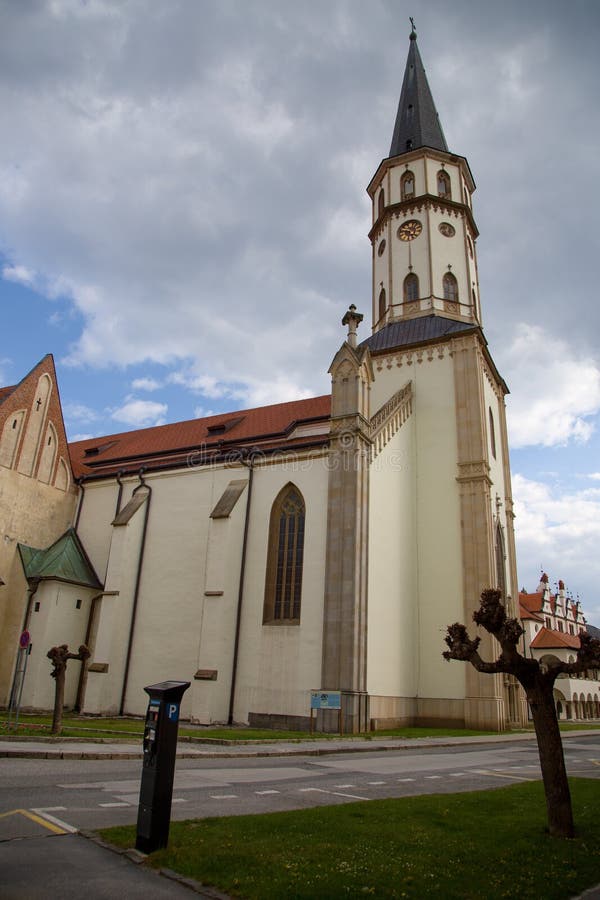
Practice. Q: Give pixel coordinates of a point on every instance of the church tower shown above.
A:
(429, 488)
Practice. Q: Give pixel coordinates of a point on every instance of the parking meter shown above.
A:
(158, 768)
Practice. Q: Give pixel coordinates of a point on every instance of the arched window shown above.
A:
(411, 288)
(492, 432)
(470, 246)
(443, 185)
(381, 202)
(283, 583)
(500, 570)
(450, 287)
(407, 186)
(382, 303)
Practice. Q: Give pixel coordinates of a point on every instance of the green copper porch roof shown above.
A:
(65, 560)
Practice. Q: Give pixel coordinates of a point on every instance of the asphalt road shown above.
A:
(39, 795)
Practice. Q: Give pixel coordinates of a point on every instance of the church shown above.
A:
(322, 544)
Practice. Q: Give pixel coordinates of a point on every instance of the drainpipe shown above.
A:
(84, 666)
(138, 581)
(120, 493)
(247, 460)
(81, 485)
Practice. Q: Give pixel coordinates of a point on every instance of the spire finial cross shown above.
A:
(414, 30)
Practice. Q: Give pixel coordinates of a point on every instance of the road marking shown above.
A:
(33, 818)
(457, 774)
(50, 822)
(375, 782)
(113, 805)
(338, 794)
(264, 793)
(502, 775)
(179, 800)
(431, 777)
(400, 780)
(223, 796)
(344, 786)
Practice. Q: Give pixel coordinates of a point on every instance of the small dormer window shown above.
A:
(443, 185)
(411, 288)
(381, 202)
(450, 287)
(407, 186)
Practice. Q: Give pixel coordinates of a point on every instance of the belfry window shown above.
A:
(450, 287)
(411, 288)
(443, 185)
(407, 186)
(382, 303)
(283, 587)
(381, 202)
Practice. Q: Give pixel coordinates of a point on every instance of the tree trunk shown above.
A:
(552, 761)
(59, 698)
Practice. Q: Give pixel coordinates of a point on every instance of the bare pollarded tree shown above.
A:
(537, 679)
(59, 657)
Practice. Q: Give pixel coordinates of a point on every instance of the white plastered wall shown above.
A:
(437, 560)
(392, 609)
(57, 621)
(280, 664)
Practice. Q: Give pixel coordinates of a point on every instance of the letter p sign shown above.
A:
(173, 712)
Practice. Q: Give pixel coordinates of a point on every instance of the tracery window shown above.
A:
(380, 202)
(500, 556)
(450, 287)
(407, 186)
(443, 185)
(283, 585)
(411, 288)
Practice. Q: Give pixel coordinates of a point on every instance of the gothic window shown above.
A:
(450, 287)
(407, 186)
(470, 246)
(382, 303)
(380, 202)
(283, 587)
(443, 185)
(411, 288)
(492, 432)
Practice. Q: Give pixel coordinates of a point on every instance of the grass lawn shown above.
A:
(93, 727)
(86, 726)
(485, 844)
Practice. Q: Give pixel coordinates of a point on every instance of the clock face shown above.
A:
(447, 229)
(408, 231)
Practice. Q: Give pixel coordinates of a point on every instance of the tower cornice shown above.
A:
(424, 201)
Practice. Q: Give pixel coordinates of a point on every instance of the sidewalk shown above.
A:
(78, 748)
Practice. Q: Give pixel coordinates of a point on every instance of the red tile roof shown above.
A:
(5, 391)
(268, 428)
(548, 639)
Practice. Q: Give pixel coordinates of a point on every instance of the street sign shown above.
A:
(24, 640)
(325, 699)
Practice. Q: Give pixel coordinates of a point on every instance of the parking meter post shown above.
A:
(158, 768)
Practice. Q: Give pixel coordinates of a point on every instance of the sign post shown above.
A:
(326, 700)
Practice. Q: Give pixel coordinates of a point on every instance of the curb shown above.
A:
(138, 858)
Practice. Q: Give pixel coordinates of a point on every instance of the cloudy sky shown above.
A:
(183, 214)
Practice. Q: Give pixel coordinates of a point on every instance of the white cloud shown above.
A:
(84, 436)
(145, 384)
(140, 413)
(80, 413)
(554, 391)
(559, 531)
(19, 274)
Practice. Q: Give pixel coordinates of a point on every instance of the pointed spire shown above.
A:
(417, 121)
